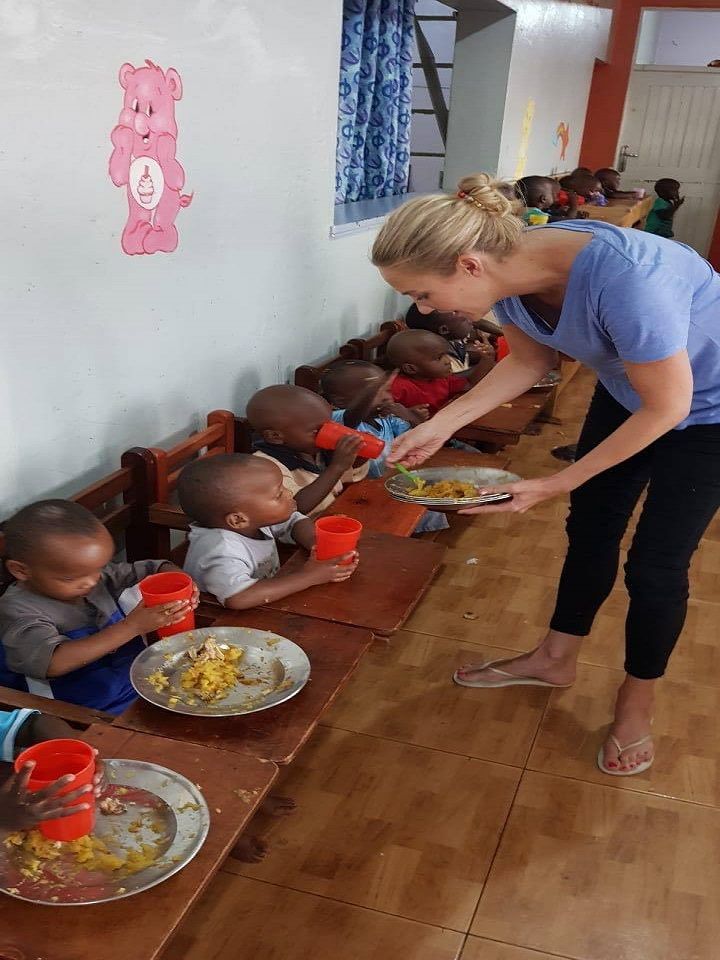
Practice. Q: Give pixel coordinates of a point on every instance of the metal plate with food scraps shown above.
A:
(156, 821)
(399, 486)
(551, 379)
(272, 669)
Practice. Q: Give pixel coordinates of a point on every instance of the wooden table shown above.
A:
(369, 502)
(620, 212)
(394, 573)
(139, 928)
(72, 713)
(279, 733)
(507, 423)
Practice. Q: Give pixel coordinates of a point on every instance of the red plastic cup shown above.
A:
(54, 759)
(330, 434)
(502, 349)
(335, 536)
(164, 588)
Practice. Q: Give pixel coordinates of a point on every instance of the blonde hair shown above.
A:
(431, 232)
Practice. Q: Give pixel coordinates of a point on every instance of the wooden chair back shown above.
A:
(309, 377)
(373, 348)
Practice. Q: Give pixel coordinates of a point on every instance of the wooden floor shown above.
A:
(437, 822)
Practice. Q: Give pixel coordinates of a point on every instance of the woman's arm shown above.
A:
(527, 363)
(665, 388)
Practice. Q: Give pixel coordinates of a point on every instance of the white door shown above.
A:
(672, 123)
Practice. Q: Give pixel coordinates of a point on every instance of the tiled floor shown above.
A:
(441, 823)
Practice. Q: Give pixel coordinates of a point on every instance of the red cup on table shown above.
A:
(336, 536)
(54, 759)
(331, 433)
(164, 588)
(502, 349)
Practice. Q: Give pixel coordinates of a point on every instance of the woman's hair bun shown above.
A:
(481, 190)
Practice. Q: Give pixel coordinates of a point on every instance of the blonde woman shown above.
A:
(644, 314)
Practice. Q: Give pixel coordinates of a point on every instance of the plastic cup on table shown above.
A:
(331, 433)
(335, 536)
(164, 588)
(54, 759)
(502, 349)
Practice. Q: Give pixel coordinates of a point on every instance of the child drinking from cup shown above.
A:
(287, 420)
(239, 506)
(71, 623)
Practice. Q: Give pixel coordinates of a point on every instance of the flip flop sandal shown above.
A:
(507, 679)
(640, 768)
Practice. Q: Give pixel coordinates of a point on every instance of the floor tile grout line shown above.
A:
(521, 946)
(347, 903)
(422, 746)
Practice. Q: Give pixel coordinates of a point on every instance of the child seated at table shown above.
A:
(467, 346)
(425, 371)
(238, 507)
(73, 621)
(609, 179)
(669, 201)
(541, 204)
(287, 420)
(585, 185)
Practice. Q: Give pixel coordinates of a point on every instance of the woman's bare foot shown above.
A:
(276, 806)
(249, 849)
(633, 718)
(553, 661)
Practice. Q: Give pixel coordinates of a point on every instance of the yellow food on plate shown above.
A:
(214, 670)
(158, 681)
(444, 490)
(89, 852)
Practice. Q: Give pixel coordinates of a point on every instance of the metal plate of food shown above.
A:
(450, 488)
(551, 379)
(150, 822)
(220, 671)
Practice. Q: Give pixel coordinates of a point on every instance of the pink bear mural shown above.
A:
(143, 158)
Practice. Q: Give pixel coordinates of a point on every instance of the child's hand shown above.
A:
(147, 619)
(21, 809)
(331, 571)
(195, 598)
(345, 453)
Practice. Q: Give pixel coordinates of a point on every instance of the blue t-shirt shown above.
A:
(386, 429)
(10, 723)
(632, 296)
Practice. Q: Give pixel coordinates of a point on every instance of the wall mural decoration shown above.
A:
(525, 132)
(143, 158)
(562, 137)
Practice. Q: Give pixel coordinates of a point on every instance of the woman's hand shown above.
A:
(414, 447)
(525, 494)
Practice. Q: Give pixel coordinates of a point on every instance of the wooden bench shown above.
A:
(310, 375)
(140, 928)
(277, 734)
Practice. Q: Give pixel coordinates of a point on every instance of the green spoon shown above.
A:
(407, 473)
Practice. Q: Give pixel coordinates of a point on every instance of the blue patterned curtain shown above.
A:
(373, 140)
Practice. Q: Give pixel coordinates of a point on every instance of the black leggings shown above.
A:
(682, 473)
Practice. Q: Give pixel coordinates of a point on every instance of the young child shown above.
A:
(288, 419)
(585, 185)
(609, 179)
(540, 197)
(70, 625)
(669, 201)
(21, 809)
(425, 370)
(239, 506)
(465, 344)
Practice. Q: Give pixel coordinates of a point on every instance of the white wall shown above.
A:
(686, 38)
(554, 52)
(102, 351)
(648, 36)
(521, 68)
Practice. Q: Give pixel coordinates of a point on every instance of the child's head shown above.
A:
(57, 548)
(450, 324)
(537, 192)
(584, 184)
(234, 491)
(506, 189)
(344, 381)
(668, 189)
(609, 178)
(419, 354)
(288, 416)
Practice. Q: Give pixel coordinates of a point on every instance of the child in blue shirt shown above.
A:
(72, 623)
(360, 394)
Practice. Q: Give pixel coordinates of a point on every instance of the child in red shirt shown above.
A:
(425, 370)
